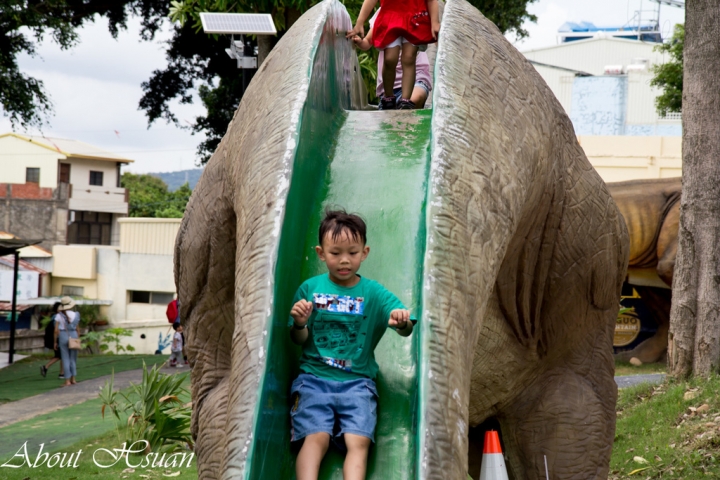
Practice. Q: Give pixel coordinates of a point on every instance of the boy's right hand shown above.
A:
(301, 311)
(361, 43)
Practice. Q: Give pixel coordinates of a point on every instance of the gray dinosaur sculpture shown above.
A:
(523, 265)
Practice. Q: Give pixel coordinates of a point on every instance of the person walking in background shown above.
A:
(173, 316)
(66, 323)
(176, 358)
(50, 343)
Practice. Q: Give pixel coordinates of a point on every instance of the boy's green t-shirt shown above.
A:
(344, 327)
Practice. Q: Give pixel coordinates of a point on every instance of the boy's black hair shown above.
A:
(336, 221)
(176, 325)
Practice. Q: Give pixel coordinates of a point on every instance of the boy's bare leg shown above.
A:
(409, 54)
(356, 458)
(389, 66)
(419, 97)
(311, 454)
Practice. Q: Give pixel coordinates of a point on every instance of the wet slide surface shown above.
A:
(376, 164)
(379, 170)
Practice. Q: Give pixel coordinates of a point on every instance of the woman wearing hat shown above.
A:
(66, 323)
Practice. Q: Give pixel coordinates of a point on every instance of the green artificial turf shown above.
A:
(87, 469)
(22, 379)
(70, 429)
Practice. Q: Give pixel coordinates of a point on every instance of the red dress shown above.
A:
(402, 18)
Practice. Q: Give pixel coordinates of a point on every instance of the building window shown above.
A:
(156, 298)
(89, 228)
(73, 291)
(64, 173)
(96, 178)
(32, 175)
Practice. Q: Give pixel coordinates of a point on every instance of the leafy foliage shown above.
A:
(89, 314)
(153, 408)
(101, 340)
(669, 76)
(24, 23)
(150, 197)
(199, 61)
(196, 61)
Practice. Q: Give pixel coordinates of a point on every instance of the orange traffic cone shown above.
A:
(493, 463)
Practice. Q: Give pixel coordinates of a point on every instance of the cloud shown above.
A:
(543, 33)
(95, 90)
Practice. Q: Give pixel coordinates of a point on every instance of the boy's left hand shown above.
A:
(399, 318)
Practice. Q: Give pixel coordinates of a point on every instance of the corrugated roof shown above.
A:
(576, 43)
(24, 265)
(71, 148)
(7, 307)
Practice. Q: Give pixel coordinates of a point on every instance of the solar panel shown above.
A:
(238, 23)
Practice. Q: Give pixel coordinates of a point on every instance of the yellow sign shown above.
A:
(627, 329)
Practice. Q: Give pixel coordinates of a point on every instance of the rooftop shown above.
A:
(71, 148)
(33, 251)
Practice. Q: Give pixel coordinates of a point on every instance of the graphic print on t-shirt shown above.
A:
(337, 328)
(339, 303)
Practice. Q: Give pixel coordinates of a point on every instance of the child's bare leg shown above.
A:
(409, 54)
(311, 454)
(356, 459)
(389, 65)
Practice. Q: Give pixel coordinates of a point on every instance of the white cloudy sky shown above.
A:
(95, 87)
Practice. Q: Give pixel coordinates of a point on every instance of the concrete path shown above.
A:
(632, 380)
(47, 402)
(86, 390)
(4, 357)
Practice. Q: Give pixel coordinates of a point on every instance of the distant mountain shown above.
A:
(175, 180)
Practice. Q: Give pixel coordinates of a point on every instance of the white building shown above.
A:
(61, 191)
(137, 276)
(603, 84)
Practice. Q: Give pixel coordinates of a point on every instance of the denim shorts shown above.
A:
(336, 408)
(398, 91)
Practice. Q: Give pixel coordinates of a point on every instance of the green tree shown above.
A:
(693, 347)
(669, 76)
(25, 22)
(149, 197)
(198, 61)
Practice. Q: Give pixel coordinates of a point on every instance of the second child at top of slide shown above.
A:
(400, 27)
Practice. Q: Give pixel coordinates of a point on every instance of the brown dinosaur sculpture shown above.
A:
(651, 209)
(522, 261)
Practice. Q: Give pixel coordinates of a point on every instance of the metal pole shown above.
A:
(14, 308)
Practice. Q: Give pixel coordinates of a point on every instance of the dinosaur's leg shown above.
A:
(563, 418)
(204, 275)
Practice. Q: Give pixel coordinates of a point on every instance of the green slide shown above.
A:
(374, 163)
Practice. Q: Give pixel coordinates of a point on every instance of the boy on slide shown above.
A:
(339, 318)
(400, 25)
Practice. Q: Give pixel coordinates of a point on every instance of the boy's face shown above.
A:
(343, 256)
(179, 329)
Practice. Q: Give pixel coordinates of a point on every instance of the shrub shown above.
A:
(154, 410)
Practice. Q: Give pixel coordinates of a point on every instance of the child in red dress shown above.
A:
(400, 25)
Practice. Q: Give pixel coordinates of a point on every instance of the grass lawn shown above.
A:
(88, 470)
(624, 368)
(66, 432)
(668, 431)
(22, 379)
